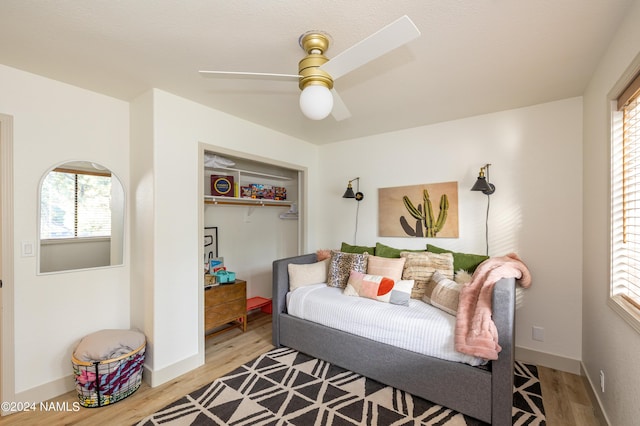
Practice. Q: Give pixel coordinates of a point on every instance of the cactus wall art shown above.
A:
(421, 211)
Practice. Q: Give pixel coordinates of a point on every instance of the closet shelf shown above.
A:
(235, 201)
(249, 173)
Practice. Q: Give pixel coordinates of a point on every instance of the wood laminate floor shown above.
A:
(566, 399)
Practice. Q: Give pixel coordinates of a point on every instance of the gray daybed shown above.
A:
(485, 393)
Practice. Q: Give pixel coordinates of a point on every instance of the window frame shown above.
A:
(627, 309)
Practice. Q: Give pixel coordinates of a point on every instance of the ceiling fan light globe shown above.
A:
(316, 102)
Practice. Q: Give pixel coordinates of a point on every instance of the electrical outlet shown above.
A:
(602, 381)
(537, 333)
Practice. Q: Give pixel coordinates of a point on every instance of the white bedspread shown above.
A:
(419, 327)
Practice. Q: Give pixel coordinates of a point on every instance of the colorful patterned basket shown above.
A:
(106, 382)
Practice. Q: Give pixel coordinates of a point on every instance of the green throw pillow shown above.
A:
(348, 248)
(466, 261)
(386, 251)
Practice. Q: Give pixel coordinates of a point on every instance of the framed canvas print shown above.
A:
(210, 245)
(423, 211)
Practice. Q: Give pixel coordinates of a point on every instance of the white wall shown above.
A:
(536, 210)
(609, 343)
(55, 123)
(142, 220)
(172, 270)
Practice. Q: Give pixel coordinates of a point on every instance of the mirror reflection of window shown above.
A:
(81, 218)
(75, 204)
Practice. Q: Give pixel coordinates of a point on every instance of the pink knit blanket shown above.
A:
(475, 332)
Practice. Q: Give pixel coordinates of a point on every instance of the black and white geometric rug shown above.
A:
(286, 387)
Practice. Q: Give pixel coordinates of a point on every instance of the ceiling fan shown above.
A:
(316, 72)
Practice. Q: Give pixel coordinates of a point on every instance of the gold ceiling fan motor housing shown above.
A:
(314, 43)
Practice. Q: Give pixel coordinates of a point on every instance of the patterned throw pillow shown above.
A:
(420, 268)
(379, 288)
(445, 295)
(341, 264)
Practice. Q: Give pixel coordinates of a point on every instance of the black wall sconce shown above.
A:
(482, 184)
(349, 192)
(358, 196)
(487, 188)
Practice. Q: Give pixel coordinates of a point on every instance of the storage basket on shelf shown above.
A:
(106, 368)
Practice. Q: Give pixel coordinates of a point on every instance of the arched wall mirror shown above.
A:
(81, 220)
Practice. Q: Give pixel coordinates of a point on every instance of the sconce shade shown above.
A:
(349, 192)
(481, 185)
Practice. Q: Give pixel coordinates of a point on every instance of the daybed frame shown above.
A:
(483, 393)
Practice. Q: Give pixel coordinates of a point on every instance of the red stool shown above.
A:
(259, 302)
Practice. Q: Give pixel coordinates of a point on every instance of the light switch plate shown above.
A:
(27, 249)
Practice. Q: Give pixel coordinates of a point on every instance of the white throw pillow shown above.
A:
(301, 275)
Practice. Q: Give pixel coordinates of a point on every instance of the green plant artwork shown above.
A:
(420, 211)
(425, 218)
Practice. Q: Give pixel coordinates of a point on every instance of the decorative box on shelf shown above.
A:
(266, 192)
(222, 185)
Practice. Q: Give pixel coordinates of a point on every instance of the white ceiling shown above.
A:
(473, 57)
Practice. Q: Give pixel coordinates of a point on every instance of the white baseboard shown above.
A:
(157, 377)
(544, 359)
(47, 390)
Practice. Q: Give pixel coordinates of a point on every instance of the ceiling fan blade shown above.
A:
(394, 35)
(248, 75)
(340, 111)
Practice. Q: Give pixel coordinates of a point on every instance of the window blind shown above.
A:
(625, 197)
(75, 204)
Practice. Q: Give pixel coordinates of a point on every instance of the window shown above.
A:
(625, 205)
(75, 204)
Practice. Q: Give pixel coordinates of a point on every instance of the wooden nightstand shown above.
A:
(225, 304)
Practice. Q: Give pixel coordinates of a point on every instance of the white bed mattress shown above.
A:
(418, 327)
